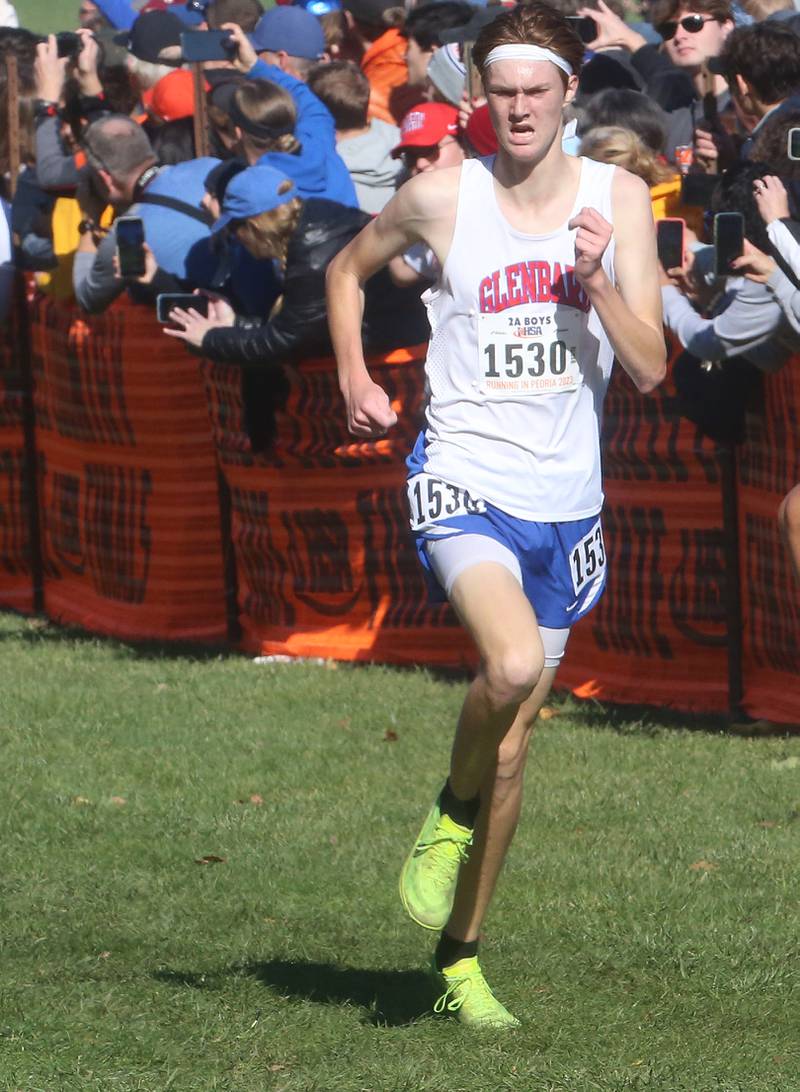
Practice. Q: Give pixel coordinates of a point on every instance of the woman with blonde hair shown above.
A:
(622, 147)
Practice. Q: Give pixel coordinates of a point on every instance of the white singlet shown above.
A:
(518, 362)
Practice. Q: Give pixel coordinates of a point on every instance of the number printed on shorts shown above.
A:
(431, 499)
(588, 558)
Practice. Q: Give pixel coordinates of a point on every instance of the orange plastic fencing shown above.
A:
(16, 578)
(659, 634)
(130, 513)
(769, 466)
(147, 477)
(325, 563)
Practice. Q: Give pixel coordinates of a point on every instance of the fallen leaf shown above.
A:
(104, 955)
(343, 723)
(547, 712)
(210, 858)
(334, 841)
(257, 799)
(162, 686)
(276, 1067)
(118, 800)
(80, 801)
(390, 736)
(767, 823)
(703, 866)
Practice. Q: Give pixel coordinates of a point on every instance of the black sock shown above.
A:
(449, 951)
(463, 812)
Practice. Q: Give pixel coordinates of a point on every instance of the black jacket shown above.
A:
(393, 317)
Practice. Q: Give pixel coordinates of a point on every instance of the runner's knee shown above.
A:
(512, 674)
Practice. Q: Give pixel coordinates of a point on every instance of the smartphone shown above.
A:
(169, 300)
(584, 26)
(130, 246)
(669, 236)
(728, 241)
(207, 45)
(793, 144)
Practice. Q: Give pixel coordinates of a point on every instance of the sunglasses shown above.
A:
(431, 152)
(693, 24)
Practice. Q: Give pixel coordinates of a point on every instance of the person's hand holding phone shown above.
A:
(612, 32)
(754, 264)
(150, 267)
(87, 64)
(49, 70)
(244, 56)
(771, 198)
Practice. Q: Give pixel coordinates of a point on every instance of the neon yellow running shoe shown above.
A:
(428, 879)
(468, 996)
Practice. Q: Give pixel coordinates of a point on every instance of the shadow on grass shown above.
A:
(388, 998)
(41, 631)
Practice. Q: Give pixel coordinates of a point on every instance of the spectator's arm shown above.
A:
(94, 281)
(55, 169)
(785, 244)
(300, 326)
(749, 321)
(788, 297)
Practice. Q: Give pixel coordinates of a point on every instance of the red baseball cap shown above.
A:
(426, 125)
(173, 96)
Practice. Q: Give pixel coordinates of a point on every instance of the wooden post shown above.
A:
(200, 112)
(30, 470)
(12, 98)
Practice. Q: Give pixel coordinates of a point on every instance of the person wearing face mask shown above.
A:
(548, 273)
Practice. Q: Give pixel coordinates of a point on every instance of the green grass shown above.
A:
(47, 15)
(289, 966)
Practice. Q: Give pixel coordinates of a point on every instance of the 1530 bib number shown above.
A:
(430, 499)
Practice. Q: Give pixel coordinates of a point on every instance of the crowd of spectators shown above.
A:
(316, 112)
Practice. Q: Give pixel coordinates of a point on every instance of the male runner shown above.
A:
(548, 272)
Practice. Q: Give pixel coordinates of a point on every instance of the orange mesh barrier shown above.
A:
(769, 465)
(16, 582)
(130, 513)
(659, 634)
(325, 564)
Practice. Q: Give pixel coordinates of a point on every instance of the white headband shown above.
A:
(524, 52)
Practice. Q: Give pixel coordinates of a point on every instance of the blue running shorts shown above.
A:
(560, 566)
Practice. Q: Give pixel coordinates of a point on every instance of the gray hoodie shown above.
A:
(370, 164)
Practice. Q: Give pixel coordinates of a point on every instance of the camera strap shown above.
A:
(176, 205)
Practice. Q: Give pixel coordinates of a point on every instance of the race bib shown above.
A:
(529, 352)
(588, 558)
(430, 499)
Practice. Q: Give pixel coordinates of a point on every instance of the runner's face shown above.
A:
(525, 103)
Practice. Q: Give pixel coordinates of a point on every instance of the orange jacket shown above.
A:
(384, 65)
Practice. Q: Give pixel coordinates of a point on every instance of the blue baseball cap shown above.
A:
(292, 30)
(253, 191)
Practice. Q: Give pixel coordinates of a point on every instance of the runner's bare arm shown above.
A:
(631, 315)
(405, 220)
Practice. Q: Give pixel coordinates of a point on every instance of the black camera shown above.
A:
(68, 43)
